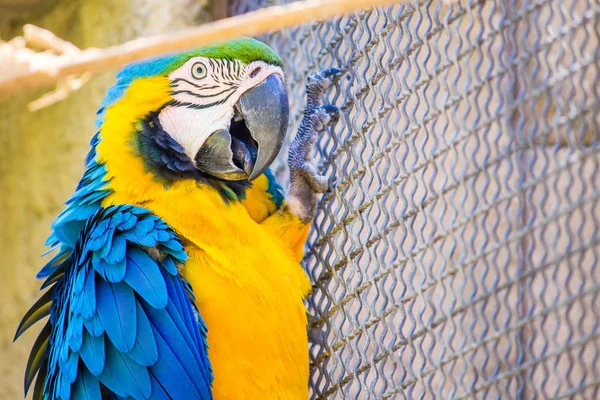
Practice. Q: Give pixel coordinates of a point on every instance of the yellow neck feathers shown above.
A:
(127, 175)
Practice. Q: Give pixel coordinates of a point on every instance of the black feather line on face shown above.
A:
(165, 158)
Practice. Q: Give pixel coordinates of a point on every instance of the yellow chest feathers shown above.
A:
(249, 291)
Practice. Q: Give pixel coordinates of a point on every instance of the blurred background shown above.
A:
(457, 256)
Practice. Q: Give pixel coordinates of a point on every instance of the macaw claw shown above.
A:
(317, 84)
(332, 111)
(331, 72)
(305, 180)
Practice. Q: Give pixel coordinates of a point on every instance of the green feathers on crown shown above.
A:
(244, 49)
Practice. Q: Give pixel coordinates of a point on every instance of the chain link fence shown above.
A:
(457, 256)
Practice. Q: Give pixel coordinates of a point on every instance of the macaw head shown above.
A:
(221, 111)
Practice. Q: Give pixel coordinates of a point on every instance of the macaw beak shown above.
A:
(255, 136)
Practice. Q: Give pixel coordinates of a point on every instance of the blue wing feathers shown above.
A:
(170, 373)
(179, 300)
(64, 387)
(69, 367)
(123, 324)
(116, 307)
(169, 265)
(176, 340)
(158, 392)
(75, 333)
(115, 272)
(55, 264)
(143, 275)
(191, 321)
(133, 377)
(117, 250)
(79, 281)
(94, 325)
(144, 351)
(88, 296)
(92, 352)
(182, 315)
(130, 220)
(111, 383)
(86, 387)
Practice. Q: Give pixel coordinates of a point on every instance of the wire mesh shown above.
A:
(457, 255)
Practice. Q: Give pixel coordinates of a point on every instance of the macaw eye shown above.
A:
(198, 70)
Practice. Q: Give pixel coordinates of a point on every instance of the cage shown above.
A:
(457, 254)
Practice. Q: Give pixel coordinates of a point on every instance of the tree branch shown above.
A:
(52, 69)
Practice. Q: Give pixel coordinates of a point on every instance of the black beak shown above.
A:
(255, 136)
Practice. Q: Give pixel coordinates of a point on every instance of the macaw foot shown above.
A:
(305, 181)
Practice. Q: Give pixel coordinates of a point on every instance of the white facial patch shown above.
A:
(205, 92)
(191, 127)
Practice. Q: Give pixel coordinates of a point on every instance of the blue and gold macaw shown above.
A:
(177, 270)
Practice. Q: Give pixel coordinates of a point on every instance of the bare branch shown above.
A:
(15, 57)
(63, 90)
(46, 40)
(52, 69)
